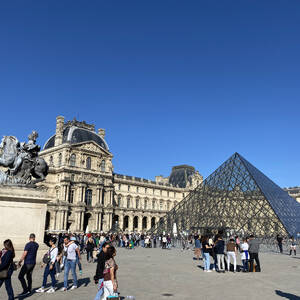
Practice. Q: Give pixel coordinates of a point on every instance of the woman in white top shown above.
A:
(49, 261)
(244, 254)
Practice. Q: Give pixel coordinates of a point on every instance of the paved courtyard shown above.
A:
(172, 274)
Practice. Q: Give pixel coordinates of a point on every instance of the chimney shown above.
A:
(101, 132)
(60, 120)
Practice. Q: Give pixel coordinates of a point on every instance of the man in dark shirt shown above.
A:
(219, 251)
(100, 268)
(29, 258)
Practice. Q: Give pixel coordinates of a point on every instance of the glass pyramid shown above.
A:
(235, 198)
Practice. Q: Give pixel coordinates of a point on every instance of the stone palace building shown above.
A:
(89, 196)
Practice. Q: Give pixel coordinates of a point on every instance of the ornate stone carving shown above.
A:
(22, 161)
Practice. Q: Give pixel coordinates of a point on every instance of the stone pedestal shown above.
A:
(23, 211)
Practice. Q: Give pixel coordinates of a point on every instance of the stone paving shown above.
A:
(173, 274)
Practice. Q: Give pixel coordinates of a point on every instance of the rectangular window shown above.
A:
(145, 190)
(129, 188)
(71, 196)
(137, 189)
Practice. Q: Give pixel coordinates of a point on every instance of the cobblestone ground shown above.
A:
(172, 274)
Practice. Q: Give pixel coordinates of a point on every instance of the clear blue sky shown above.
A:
(172, 82)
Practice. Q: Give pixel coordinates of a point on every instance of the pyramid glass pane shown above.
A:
(235, 198)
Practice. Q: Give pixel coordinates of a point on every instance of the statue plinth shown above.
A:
(23, 211)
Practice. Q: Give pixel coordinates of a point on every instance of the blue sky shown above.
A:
(172, 82)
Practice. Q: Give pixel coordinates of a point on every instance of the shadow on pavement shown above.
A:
(287, 295)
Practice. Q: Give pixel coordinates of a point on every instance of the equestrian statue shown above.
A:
(22, 161)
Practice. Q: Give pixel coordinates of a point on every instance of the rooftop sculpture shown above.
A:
(22, 161)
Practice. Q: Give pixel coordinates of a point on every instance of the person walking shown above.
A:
(197, 251)
(219, 251)
(29, 258)
(49, 261)
(293, 245)
(206, 252)
(110, 284)
(6, 266)
(253, 251)
(90, 245)
(70, 250)
(99, 270)
(231, 253)
(279, 242)
(245, 255)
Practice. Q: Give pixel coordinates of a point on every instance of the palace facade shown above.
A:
(89, 196)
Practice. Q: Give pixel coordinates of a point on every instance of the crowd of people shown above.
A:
(215, 252)
(65, 254)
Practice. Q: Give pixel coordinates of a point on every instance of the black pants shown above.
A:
(280, 247)
(26, 270)
(252, 257)
(89, 254)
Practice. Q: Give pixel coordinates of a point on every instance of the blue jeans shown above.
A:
(48, 272)
(78, 263)
(245, 264)
(8, 285)
(70, 264)
(100, 289)
(206, 261)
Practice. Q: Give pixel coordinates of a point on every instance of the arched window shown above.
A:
(73, 160)
(88, 197)
(128, 202)
(161, 205)
(119, 201)
(145, 204)
(88, 163)
(137, 203)
(153, 204)
(59, 159)
(168, 205)
(102, 166)
(51, 161)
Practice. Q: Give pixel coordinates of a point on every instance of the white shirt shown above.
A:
(53, 254)
(244, 247)
(71, 251)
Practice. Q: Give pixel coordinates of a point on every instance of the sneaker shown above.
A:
(209, 271)
(40, 290)
(52, 290)
(73, 287)
(63, 289)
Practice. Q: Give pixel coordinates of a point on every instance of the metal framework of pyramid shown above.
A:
(236, 198)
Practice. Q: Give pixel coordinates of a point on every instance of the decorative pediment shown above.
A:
(92, 147)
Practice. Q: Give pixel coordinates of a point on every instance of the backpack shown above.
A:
(47, 256)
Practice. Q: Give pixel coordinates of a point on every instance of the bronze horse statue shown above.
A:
(20, 162)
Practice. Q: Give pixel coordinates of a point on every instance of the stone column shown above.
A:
(148, 222)
(130, 223)
(140, 223)
(66, 219)
(120, 224)
(81, 220)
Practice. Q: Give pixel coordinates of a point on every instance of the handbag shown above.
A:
(47, 257)
(4, 274)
